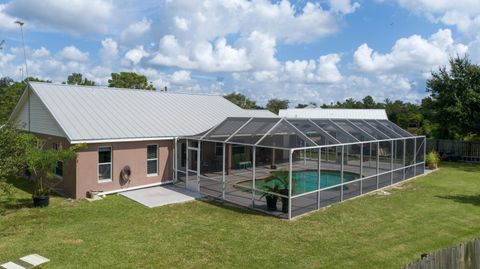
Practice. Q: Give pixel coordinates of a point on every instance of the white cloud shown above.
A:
(261, 51)
(412, 54)
(324, 70)
(7, 21)
(73, 16)
(72, 53)
(109, 50)
(5, 58)
(181, 23)
(135, 31)
(282, 20)
(327, 71)
(136, 54)
(181, 77)
(464, 14)
(343, 6)
(40, 53)
(216, 57)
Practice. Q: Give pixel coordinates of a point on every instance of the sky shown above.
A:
(303, 51)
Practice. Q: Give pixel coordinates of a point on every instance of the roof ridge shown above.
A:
(121, 89)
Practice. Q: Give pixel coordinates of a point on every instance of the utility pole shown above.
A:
(21, 23)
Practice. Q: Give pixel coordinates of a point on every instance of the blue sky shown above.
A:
(320, 51)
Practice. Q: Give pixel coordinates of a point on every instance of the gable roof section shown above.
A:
(41, 120)
(334, 113)
(97, 114)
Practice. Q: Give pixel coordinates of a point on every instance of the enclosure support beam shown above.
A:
(424, 151)
(223, 171)
(175, 155)
(341, 174)
(361, 169)
(290, 167)
(319, 184)
(305, 157)
(391, 160)
(414, 156)
(253, 175)
(404, 154)
(378, 164)
(198, 163)
(187, 162)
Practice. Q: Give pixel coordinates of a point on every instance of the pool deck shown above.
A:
(211, 184)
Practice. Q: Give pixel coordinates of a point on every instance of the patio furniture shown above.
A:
(244, 165)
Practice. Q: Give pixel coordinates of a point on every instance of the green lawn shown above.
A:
(423, 215)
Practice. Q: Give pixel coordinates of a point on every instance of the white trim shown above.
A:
(66, 135)
(114, 140)
(156, 159)
(20, 102)
(111, 165)
(104, 193)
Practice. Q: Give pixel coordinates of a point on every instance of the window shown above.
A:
(55, 146)
(238, 149)
(104, 164)
(152, 160)
(59, 169)
(218, 149)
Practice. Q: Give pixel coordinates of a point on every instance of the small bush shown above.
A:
(432, 159)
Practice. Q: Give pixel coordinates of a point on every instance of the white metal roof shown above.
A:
(262, 113)
(98, 114)
(334, 113)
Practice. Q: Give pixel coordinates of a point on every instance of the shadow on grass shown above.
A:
(23, 184)
(233, 207)
(464, 199)
(466, 167)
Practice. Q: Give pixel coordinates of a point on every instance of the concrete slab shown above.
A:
(35, 259)
(161, 195)
(11, 265)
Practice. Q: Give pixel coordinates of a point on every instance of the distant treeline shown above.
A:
(451, 111)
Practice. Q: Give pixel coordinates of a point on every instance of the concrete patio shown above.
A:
(161, 195)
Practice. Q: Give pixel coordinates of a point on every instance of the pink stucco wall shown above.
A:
(67, 184)
(81, 175)
(133, 154)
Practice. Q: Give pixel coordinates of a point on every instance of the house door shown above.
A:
(192, 166)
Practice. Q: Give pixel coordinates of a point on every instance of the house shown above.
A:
(334, 113)
(120, 127)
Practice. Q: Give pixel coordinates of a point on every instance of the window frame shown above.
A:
(154, 159)
(110, 163)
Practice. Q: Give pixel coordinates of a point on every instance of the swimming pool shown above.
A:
(303, 181)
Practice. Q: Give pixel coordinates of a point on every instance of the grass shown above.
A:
(425, 214)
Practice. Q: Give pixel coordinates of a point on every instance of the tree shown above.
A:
(274, 105)
(41, 163)
(14, 145)
(77, 79)
(455, 99)
(34, 79)
(311, 104)
(9, 95)
(241, 100)
(130, 80)
(368, 102)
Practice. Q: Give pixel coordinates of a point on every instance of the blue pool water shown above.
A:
(304, 181)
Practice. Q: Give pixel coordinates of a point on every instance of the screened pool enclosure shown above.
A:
(291, 166)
